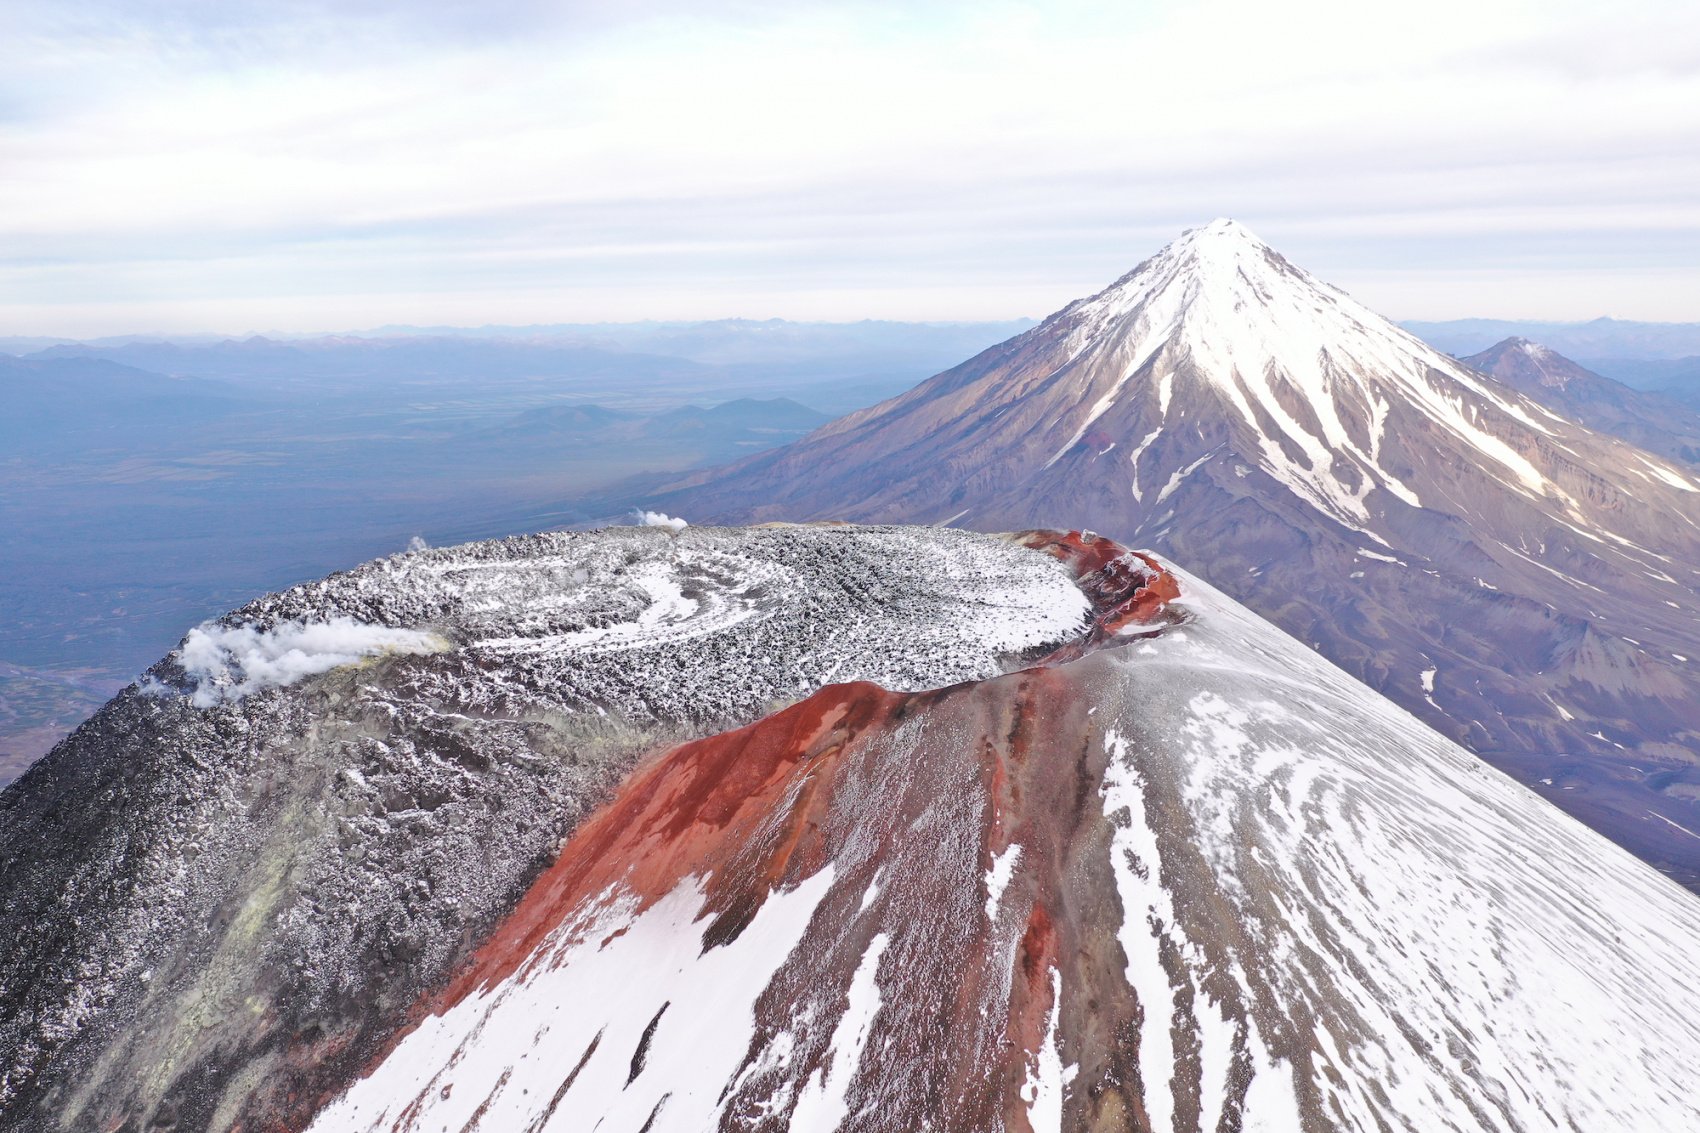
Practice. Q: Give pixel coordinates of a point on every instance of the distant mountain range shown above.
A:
(1641, 354)
(136, 503)
(1526, 584)
(838, 366)
(1598, 338)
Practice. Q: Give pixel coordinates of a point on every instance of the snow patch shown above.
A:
(592, 990)
(823, 1103)
(998, 877)
(1048, 1078)
(1146, 910)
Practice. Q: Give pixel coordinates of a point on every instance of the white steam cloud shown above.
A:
(660, 519)
(227, 663)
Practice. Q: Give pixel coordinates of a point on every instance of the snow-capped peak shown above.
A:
(1222, 236)
(1310, 372)
(1200, 266)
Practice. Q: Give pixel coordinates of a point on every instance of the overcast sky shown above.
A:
(227, 166)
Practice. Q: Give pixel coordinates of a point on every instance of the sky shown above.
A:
(227, 166)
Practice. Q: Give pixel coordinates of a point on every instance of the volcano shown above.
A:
(825, 828)
(1523, 583)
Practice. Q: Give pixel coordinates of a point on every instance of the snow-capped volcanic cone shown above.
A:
(1527, 585)
(1185, 876)
(1650, 420)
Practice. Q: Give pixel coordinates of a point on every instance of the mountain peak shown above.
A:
(1223, 232)
(1222, 326)
(1220, 340)
(1212, 273)
(1222, 249)
(1527, 365)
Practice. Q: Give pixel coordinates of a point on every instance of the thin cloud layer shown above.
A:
(200, 166)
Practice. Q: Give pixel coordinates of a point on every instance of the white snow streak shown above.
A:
(997, 878)
(1047, 1077)
(1455, 938)
(1139, 450)
(1147, 914)
(822, 1104)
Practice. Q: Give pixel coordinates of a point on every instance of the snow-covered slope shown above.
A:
(1310, 373)
(1190, 877)
(1527, 585)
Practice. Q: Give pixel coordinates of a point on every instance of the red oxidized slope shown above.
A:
(693, 807)
(1127, 588)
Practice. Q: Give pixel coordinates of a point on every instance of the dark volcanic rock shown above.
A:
(1182, 874)
(834, 828)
